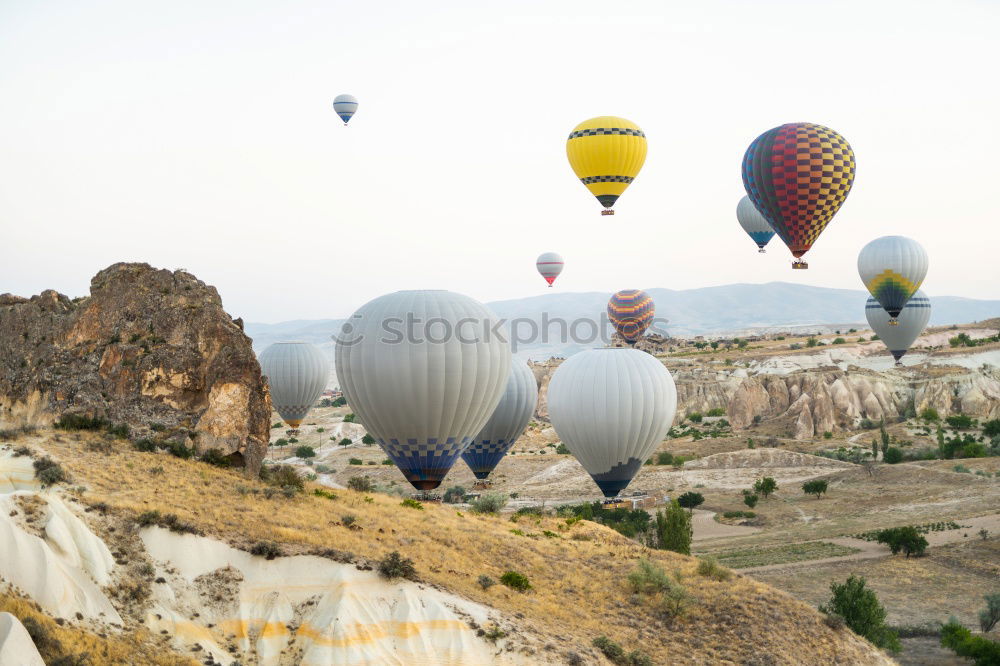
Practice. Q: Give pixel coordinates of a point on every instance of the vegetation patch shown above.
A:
(516, 581)
(395, 565)
(742, 558)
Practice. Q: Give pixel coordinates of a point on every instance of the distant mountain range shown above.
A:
(731, 309)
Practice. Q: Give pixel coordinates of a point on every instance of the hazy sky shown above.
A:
(201, 135)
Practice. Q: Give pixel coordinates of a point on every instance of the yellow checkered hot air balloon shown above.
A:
(606, 154)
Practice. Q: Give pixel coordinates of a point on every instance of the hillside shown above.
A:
(736, 308)
(577, 573)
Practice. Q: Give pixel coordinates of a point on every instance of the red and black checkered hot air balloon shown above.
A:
(798, 175)
(631, 312)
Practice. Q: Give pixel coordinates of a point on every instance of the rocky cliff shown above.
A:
(151, 349)
(814, 401)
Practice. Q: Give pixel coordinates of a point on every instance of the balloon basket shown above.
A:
(607, 211)
(893, 321)
(799, 265)
(485, 484)
(425, 496)
(762, 251)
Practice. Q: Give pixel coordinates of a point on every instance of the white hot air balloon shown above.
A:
(297, 373)
(754, 223)
(508, 421)
(550, 265)
(612, 408)
(911, 323)
(892, 268)
(345, 106)
(423, 371)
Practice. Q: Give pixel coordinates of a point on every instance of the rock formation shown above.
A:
(150, 349)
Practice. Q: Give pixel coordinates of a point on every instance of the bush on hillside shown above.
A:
(305, 452)
(815, 487)
(710, 568)
(616, 653)
(673, 529)
(488, 503)
(454, 495)
(49, 472)
(861, 611)
(395, 565)
(282, 476)
(892, 455)
(80, 422)
(266, 549)
(215, 457)
(362, 484)
(516, 581)
(960, 640)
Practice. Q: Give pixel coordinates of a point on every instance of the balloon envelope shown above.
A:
(550, 265)
(912, 321)
(892, 268)
(612, 408)
(798, 175)
(296, 373)
(423, 371)
(755, 224)
(606, 153)
(508, 421)
(345, 106)
(631, 312)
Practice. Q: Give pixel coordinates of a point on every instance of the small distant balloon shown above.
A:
(754, 223)
(345, 106)
(550, 265)
(631, 312)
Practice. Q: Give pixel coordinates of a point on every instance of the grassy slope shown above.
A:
(578, 579)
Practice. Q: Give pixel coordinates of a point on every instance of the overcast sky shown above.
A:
(201, 135)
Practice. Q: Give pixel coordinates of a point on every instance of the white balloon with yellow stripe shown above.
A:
(606, 154)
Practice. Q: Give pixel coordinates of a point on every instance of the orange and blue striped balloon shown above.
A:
(631, 312)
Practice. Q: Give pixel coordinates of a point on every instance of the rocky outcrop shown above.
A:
(16, 646)
(151, 349)
(814, 401)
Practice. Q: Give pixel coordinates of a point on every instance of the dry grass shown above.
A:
(55, 641)
(578, 577)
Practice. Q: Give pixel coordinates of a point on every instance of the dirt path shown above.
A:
(870, 549)
(705, 527)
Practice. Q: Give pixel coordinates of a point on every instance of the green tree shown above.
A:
(305, 452)
(811, 342)
(991, 428)
(750, 498)
(765, 486)
(893, 455)
(345, 442)
(673, 529)
(861, 611)
(906, 539)
(349, 418)
(815, 487)
(988, 618)
(691, 500)
(930, 414)
(980, 649)
(884, 437)
(367, 440)
(874, 449)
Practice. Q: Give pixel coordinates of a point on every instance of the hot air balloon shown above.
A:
(297, 373)
(631, 312)
(912, 321)
(345, 106)
(423, 371)
(550, 265)
(892, 268)
(755, 224)
(798, 175)
(606, 154)
(612, 407)
(508, 421)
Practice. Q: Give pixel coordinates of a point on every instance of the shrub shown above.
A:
(664, 458)
(709, 567)
(673, 529)
(815, 487)
(395, 565)
(893, 455)
(561, 449)
(827, 435)
(362, 484)
(695, 417)
(981, 650)
(811, 342)
(989, 617)
(349, 418)
(991, 428)
(178, 450)
(276, 424)
(739, 514)
(49, 472)
(489, 503)
(750, 498)
(215, 457)
(348, 519)
(80, 422)
(355, 461)
(326, 494)
(412, 504)
(960, 421)
(765, 486)
(906, 539)
(516, 581)
(367, 440)
(839, 341)
(485, 582)
(616, 654)
(305, 452)
(282, 476)
(861, 611)
(716, 411)
(690, 500)
(266, 549)
(119, 430)
(454, 495)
